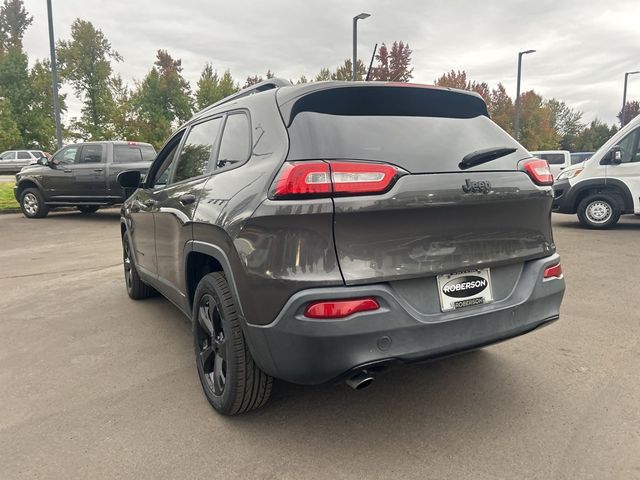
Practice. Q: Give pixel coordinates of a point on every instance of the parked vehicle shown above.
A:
(579, 157)
(324, 232)
(558, 160)
(81, 175)
(12, 161)
(607, 185)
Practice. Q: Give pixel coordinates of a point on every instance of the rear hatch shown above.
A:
(435, 217)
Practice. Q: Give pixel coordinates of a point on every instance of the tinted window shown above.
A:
(417, 144)
(197, 149)
(91, 154)
(133, 153)
(8, 155)
(629, 147)
(37, 154)
(67, 155)
(236, 141)
(163, 174)
(580, 157)
(24, 155)
(552, 158)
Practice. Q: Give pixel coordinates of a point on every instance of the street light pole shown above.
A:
(362, 16)
(517, 121)
(54, 78)
(623, 114)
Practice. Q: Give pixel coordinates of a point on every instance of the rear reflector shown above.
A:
(554, 271)
(539, 171)
(326, 178)
(328, 309)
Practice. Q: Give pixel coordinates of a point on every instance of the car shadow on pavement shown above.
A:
(107, 215)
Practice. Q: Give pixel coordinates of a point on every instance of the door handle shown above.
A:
(150, 202)
(187, 199)
(98, 170)
(67, 171)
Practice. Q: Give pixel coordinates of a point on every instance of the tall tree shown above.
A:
(536, 123)
(14, 21)
(458, 79)
(10, 136)
(252, 80)
(393, 65)
(566, 123)
(629, 112)
(345, 71)
(210, 88)
(40, 118)
(123, 119)
(594, 136)
(323, 75)
(501, 108)
(85, 61)
(162, 100)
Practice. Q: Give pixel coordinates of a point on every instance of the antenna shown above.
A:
(375, 49)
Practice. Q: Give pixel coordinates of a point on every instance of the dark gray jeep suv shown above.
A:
(324, 232)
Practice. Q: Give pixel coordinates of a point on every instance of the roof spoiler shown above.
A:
(268, 84)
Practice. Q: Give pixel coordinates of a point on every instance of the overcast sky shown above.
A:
(583, 46)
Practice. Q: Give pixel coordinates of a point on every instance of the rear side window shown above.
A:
(235, 146)
(197, 150)
(133, 153)
(552, 158)
(37, 154)
(23, 155)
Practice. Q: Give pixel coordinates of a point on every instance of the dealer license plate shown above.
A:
(464, 289)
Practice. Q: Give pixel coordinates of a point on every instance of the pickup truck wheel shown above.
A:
(88, 208)
(136, 288)
(32, 204)
(598, 211)
(231, 380)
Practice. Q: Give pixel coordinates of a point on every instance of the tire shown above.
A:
(136, 288)
(598, 211)
(32, 203)
(88, 208)
(231, 380)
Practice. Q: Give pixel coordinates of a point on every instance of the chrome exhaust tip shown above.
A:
(360, 381)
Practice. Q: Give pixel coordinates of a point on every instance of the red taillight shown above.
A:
(324, 178)
(554, 271)
(303, 178)
(328, 309)
(539, 171)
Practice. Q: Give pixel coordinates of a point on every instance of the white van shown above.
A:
(558, 160)
(607, 185)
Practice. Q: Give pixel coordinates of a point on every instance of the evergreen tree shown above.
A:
(85, 62)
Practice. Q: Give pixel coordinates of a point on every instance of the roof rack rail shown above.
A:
(268, 84)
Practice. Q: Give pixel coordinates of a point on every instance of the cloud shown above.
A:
(583, 48)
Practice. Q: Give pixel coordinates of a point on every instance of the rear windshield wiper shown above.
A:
(483, 156)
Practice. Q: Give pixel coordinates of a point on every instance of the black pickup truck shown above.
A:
(81, 175)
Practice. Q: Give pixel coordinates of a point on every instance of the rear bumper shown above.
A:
(300, 350)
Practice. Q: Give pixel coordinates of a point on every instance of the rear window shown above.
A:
(552, 158)
(421, 130)
(417, 144)
(133, 153)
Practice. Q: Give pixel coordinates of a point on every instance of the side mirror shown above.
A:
(613, 156)
(53, 163)
(129, 179)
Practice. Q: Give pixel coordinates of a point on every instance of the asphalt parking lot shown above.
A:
(94, 385)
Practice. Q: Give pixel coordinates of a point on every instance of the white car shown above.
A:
(607, 185)
(12, 161)
(558, 160)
